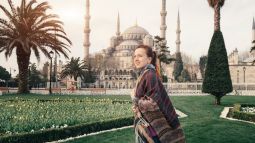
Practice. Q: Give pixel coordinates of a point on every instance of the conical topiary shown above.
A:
(217, 79)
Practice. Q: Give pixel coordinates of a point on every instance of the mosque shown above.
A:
(119, 54)
(114, 65)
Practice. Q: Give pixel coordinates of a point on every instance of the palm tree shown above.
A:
(74, 68)
(216, 5)
(29, 28)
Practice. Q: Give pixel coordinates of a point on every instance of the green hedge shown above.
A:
(238, 114)
(57, 134)
(247, 105)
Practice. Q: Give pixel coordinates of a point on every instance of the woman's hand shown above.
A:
(136, 111)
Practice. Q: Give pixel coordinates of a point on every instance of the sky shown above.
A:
(197, 24)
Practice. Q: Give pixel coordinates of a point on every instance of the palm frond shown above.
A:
(5, 24)
(36, 52)
(7, 13)
(46, 17)
(14, 11)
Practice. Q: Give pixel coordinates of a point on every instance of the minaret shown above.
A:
(86, 34)
(178, 33)
(253, 30)
(118, 26)
(163, 20)
(253, 38)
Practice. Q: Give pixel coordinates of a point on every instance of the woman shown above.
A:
(155, 118)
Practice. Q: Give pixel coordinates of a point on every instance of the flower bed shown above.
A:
(30, 115)
(243, 112)
(248, 110)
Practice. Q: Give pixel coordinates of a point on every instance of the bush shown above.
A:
(57, 134)
(237, 107)
(217, 79)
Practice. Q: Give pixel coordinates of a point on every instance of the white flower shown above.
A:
(8, 132)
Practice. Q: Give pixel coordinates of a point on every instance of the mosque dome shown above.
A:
(129, 42)
(128, 45)
(134, 33)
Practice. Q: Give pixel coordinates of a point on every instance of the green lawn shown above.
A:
(202, 125)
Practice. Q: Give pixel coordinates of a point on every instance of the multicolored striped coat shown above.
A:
(151, 86)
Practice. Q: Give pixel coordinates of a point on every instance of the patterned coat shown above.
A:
(156, 108)
(152, 86)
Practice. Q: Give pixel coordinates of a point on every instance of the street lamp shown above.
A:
(244, 68)
(237, 76)
(29, 74)
(51, 56)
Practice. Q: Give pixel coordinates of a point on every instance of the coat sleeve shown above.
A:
(149, 86)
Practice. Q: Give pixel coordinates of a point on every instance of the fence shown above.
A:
(171, 88)
(196, 89)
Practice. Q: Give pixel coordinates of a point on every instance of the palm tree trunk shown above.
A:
(217, 17)
(23, 62)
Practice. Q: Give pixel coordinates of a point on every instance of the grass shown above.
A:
(54, 96)
(25, 113)
(202, 125)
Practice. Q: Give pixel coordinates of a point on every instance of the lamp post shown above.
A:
(51, 56)
(29, 74)
(237, 76)
(244, 68)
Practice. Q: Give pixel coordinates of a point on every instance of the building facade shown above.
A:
(242, 70)
(114, 65)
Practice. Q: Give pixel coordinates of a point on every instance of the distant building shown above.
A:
(242, 70)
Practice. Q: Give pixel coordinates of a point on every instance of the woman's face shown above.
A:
(140, 58)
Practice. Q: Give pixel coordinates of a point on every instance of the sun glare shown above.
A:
(69, 15)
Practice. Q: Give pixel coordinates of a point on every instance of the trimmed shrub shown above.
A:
(217, 79)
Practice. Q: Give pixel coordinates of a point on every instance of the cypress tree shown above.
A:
(178, 66)
(217, 79)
